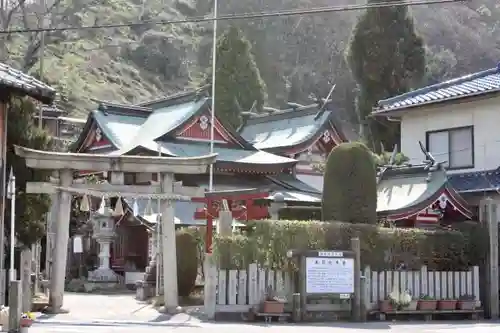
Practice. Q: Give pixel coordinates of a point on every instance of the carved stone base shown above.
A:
(144, 290)
(92, 286)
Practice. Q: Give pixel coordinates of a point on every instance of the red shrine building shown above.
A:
(272, 152)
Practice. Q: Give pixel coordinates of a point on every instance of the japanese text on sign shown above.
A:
(329, 275)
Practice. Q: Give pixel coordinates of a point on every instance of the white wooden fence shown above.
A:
(237, 290)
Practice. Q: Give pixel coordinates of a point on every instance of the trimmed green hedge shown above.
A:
(267, 243)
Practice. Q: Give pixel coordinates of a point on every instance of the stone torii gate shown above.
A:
(65, 164)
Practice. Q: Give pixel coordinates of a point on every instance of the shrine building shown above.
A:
(271, 153)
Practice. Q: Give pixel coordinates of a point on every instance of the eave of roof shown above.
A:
(19, 82)
(405, 192)
(473, 85)
(285, 129)
(236, 157)
(476, 181)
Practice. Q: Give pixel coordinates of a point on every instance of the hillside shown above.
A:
(296, 55)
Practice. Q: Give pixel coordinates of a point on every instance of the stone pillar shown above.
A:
(168, 246)
(277, 203)
(489, 217)
(61, 239)
(14, 305)
(225, 222)
(104, 253)
(51, 233)
(26, 279)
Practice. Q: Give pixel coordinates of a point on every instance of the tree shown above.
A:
(350, 186)
(237, 79)
(387, 58)
(30, 208)
(30, 15)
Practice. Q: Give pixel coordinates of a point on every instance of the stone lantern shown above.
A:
(103, 232)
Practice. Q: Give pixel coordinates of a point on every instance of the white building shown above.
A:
(458, 122)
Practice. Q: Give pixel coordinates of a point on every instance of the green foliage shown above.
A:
(187, 261)
(387, 58)
(237, 78)
(381, 248)
(30, 208)
(350, 187)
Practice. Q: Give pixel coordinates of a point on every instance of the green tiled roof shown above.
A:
(223, 154)
(119, 129)
(128, 132)
(284, 129)
(404, 191)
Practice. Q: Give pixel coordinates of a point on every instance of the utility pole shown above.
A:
(41, 58)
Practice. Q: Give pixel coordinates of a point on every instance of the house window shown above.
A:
(454, 146)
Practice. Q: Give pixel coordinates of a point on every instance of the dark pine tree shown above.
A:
(387, 58)
(30, 208)
(237, 77)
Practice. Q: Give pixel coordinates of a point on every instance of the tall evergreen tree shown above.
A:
(387, 58)
(30, 208)
(237, 77)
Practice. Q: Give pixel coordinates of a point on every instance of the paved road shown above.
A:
(278, 328)
(123, 314)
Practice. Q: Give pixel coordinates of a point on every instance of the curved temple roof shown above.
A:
(285, 129)
(146, 128)
(406, 191)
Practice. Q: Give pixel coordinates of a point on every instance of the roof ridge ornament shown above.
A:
(323, 101)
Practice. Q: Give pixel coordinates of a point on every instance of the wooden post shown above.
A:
(356, 301)
(489, 218)
(14, 305)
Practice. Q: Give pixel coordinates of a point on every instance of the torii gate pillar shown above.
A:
(61, 240)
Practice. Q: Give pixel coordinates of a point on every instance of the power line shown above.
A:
(244, 16)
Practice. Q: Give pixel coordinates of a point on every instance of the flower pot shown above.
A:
(25, 322)
(385, 306)
(273, 307)
(412, 306)
(447, 305)
(427, 305)
(466, 305)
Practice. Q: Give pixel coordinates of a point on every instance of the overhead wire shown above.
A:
(243, 16)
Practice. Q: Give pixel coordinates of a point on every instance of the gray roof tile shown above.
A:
(14, 79)
(480, 83)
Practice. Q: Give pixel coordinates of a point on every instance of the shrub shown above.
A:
(267, 243)
(350, 187)
(187, 261)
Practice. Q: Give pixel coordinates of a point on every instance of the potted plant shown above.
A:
(426, 303)
(412, 306)
(466, 302)
(385, 305)
(272, 303)
(26, 321)
(447, 304)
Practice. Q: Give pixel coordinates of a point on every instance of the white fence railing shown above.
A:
(237, 290)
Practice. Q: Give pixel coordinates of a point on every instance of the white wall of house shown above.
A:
(484, 117)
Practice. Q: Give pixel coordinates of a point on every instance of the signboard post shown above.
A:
(332, 274)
